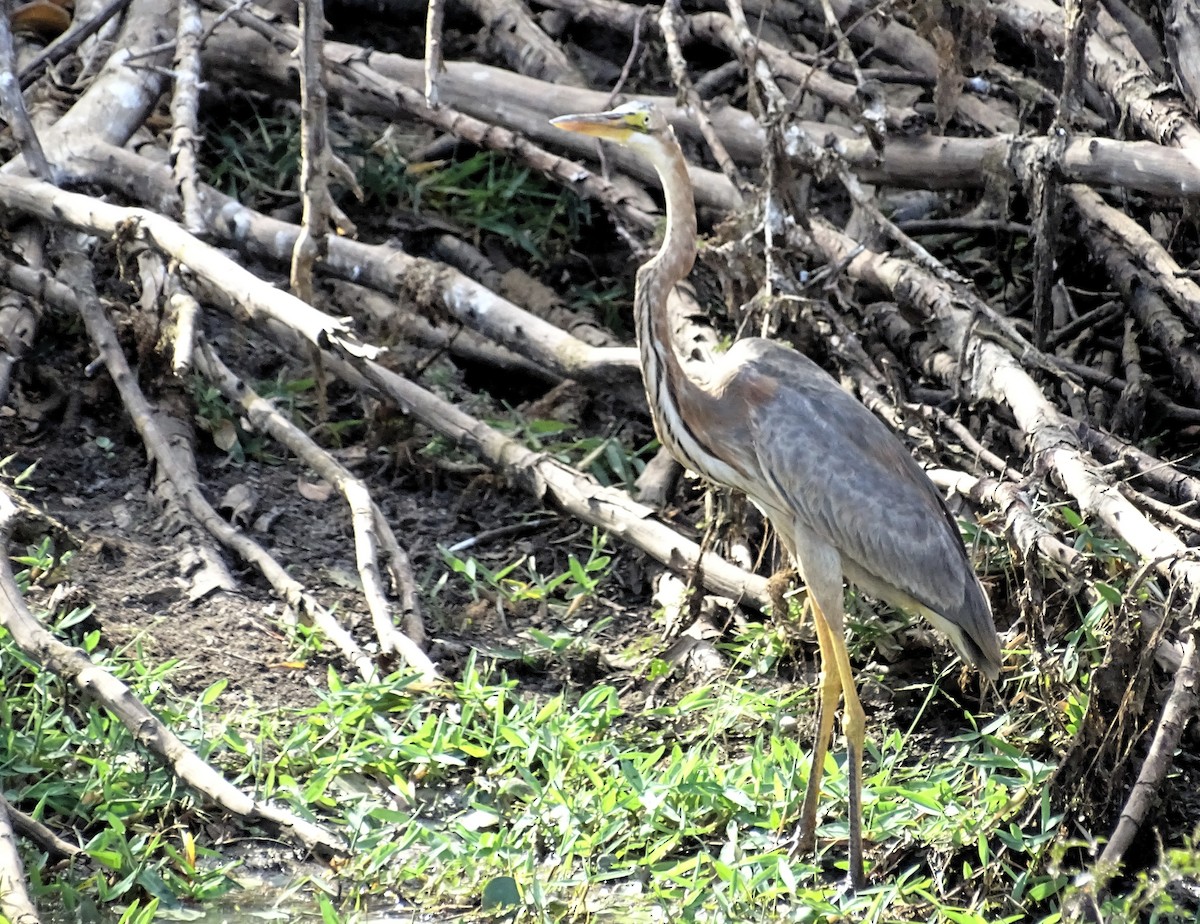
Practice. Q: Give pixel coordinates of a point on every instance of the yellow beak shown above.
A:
(611, 126)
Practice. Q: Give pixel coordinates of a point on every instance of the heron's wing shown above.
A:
(849, 481)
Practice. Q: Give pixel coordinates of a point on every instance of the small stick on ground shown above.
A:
(33, 830)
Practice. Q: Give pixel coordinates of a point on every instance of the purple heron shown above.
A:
(842, 492)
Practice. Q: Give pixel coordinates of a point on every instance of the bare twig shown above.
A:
(1080, 16)
(185, 104)
(12, 105)
(435, 15)
(32, 829)
(15, 905)
(667, 23)
(314, 150)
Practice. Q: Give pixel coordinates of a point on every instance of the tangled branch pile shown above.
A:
(978, 214)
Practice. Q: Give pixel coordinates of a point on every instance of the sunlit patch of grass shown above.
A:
(684, 809)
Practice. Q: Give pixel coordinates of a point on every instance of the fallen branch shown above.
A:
(421, 283)
(15, 905)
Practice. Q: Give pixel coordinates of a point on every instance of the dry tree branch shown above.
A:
(185, 105)
(975, 449)
(315, 154)
(1163, 476)
(12, 105)
(186, 312)
(1046, 180)
(667, 23)
(32, 829)
(316, 161)
(182, 476)
(1168, 274)
(544, 477)
(15, 905)
(206, 262)
(1181, 705)
(369, 521)
(206, 569)
(1139, 288)
(718, 29)
(800, 145)
(1029, 534)
(434, 18)
(426, 285)
(99, 685)
(384, 313)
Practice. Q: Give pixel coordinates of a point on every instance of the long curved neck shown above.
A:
(673, 396)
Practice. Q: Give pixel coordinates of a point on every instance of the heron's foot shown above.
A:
(856, 878)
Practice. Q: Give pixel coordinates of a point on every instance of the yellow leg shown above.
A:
(854, 724)
(837, 679)
(830, 691)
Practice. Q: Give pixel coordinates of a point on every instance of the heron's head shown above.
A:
(632, 124)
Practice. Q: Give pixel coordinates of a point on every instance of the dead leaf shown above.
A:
(319, 491)
(225, 435)
(240, 501)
